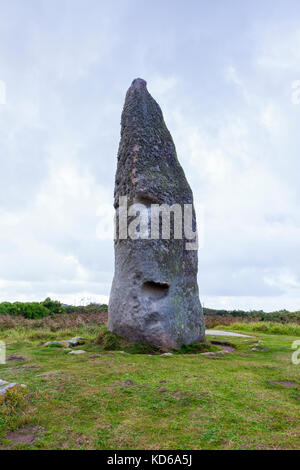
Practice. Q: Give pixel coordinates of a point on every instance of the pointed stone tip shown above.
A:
(139, 84)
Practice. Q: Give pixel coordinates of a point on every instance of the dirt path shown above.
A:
(225, 333)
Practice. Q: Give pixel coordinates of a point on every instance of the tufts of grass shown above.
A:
(111, 342)
(196, 348)
(55, 345)
(141, 348)
(12, 407)
(14, 399)
(15, 412)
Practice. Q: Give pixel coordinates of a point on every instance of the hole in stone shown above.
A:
(145, 199)
(155, 290)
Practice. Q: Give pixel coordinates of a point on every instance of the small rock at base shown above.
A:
(76, 341)
(215, 355)
(3, 382)
(7, 388)
(79, 351)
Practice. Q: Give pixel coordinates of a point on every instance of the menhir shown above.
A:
(154, 296)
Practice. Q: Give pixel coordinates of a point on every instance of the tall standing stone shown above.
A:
(154, 296)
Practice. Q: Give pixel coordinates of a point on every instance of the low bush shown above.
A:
(110, 341)
(227, 317)
(25, 309)
(36, 310)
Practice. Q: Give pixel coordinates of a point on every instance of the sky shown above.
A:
(227, 76)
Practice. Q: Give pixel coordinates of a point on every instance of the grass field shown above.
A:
(115, 400)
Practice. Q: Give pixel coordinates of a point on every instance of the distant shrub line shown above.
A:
(227, 317)
(34, 310)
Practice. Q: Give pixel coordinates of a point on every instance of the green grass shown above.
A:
(117, 399)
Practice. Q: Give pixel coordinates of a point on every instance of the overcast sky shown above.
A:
(225, 74)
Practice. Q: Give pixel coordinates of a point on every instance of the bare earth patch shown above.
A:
(18, 357)
(20, 368)
(213, 355)
(25, 435)
(52, 373)
(226, 348)
(285, 383)
(180, 394)
(124, 383)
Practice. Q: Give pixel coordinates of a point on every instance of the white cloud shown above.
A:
(251, 225)
(160, 85)
(270, 119)
(41, 240)
(229, 109)
(280, 48)
(232, 75)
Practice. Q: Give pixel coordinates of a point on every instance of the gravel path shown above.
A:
(225, 333)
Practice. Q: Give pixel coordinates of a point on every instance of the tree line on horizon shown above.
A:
(33, 310)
